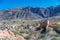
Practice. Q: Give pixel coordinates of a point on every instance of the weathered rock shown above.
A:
(4, 34)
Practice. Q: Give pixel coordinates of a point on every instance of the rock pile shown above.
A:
(8, 35)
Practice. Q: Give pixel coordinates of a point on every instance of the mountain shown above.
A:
(30, 13)
(18, 13)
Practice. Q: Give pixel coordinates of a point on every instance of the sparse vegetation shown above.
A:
(53, 39)
(30, 33)
(57, 24)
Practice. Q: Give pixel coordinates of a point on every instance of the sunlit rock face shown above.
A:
(8, 35)
(44, 23)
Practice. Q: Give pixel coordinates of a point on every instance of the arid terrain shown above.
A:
(27, 30)
(30, 23)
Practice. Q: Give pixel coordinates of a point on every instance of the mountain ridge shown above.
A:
(30, 13)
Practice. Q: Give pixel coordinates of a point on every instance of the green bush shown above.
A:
(56, 24)
(53, 39)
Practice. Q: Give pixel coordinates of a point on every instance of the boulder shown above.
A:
(4, 34)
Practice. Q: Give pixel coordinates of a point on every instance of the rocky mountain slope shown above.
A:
(17, 14)
(30, 13)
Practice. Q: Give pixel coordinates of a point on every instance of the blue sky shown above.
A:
(4, 4)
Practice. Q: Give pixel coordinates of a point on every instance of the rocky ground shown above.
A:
(8, 35)
(28, 33)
